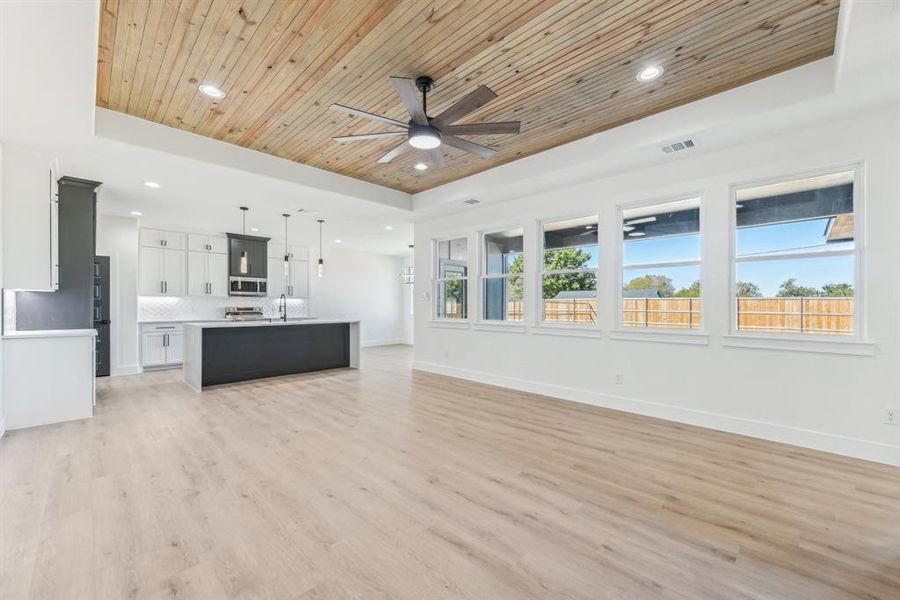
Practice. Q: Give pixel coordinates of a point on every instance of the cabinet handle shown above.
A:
(160, 287)
(165, 287)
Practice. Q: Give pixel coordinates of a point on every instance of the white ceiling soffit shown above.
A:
(864, 74)
(132, 130)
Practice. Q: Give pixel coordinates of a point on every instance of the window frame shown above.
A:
(859, 330)
(483, 275)
(540, 273)
(700, 262)
(435, 280)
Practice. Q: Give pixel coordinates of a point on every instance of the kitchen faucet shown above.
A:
(282, 307)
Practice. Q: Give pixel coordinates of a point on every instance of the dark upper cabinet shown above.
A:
(256, 249)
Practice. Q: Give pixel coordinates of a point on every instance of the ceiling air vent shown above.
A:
(682, 145)
(471, 201)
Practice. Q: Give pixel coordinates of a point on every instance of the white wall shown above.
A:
(828, 401)
(2, 412)
(365, 286)
(117, 238)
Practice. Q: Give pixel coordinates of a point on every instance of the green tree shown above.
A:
(746, 289)
(790, 289)
(555, 260)
(838, 290)
(691, 291)
(660, 283)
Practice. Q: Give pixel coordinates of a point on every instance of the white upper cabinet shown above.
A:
(295, 284)
(207, 274)
(173, 240)
(29, 234)
(198, 242)
(275, 282)
(161, 272)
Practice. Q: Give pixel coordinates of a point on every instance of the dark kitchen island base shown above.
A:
(218, 353)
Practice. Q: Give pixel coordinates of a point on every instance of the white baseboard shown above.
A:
(816, 440)
(125, 370)
(394, 342)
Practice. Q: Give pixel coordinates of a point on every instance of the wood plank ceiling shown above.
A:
(566, 69)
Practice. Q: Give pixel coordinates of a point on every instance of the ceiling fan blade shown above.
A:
(366, 115)
(368, 136)
(483, 128)
(394, 152)
(482, 151)
(470, 102)
(409, 95)
(437, 157)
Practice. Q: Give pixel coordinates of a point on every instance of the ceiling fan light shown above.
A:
(424, 137)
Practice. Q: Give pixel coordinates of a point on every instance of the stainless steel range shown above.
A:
(245, 313)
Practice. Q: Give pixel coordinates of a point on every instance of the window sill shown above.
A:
(449, 323)
(589, 331)
(692, 338)
(795, 344)
(500, 326)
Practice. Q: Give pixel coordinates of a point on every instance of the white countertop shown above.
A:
(46, 333)
(306, 321)
(160, 321)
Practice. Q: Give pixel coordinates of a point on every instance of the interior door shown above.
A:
(150, 273)
(101, 314)
(217, 274)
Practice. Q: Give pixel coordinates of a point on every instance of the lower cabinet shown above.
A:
(162, 345)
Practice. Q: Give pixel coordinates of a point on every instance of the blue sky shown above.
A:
(764, 240)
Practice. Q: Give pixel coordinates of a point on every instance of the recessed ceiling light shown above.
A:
(137, 213)
(420, 166)
(211, 91)
(649, 73)
(637, 234)
(254, 229)
(337, 241)
(627, 228)
(151, 184)
(388, 227)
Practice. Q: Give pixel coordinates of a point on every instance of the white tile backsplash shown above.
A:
(151, 308)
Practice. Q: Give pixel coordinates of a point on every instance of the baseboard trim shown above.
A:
(393, 342)
(126, 370)
(805, 438)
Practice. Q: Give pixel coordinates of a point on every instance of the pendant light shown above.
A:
(287, 255)
(321, 270)
(245, 259)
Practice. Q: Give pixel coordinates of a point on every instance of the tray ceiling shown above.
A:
(565, 69)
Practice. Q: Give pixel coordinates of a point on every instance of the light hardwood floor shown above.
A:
(389, 483)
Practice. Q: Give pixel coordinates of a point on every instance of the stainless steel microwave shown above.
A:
(246, 286)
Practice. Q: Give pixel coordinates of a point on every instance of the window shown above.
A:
(502, 276)
(795, 256)
(661, 265)
(451, 279)
(569, 271)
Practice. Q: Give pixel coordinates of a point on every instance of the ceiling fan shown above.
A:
(428, 133)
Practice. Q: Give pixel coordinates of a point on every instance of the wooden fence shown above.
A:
(832, 316)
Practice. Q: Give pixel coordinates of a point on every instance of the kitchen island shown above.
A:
(227, 352)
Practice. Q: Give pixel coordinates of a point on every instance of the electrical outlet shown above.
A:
(620, 379)
(891, 416)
